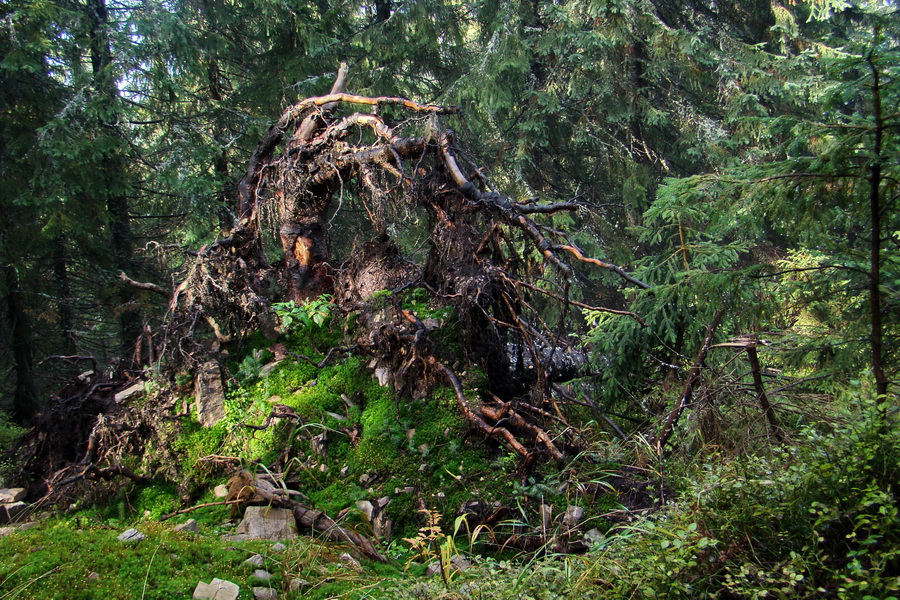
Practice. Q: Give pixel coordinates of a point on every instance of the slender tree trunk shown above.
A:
(876, 335)
(64, 296)
(761, 395)
(114, 171)
(25, 396)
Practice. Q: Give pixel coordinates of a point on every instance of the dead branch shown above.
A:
(693, 377)
(150, 287)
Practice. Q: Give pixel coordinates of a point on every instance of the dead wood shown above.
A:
(687, 392)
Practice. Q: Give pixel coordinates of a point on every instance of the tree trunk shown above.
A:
(25, 403)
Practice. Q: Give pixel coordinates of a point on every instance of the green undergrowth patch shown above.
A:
(79, 558)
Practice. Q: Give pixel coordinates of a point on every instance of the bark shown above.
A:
(876, 327)
(761, 395)
(25, 402)
(113, 171)
(64, 296)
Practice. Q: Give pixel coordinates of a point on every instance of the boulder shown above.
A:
(256, 560)
(261, 575)
(217, 589)
(131, 536)
(9, 495)
(209, 394)
(573, 516)
(264, 593)
(267, 523)
(189, 526)
(12, 512)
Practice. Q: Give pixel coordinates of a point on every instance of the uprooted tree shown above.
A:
(501, 269)
(307, 165)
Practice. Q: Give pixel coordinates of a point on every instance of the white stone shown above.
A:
(268, 523)
(261, 575)
(279, 547)
(297, 585)
(220, 491)
(217, 589)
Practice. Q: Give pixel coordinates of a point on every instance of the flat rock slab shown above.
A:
(267, 523)
(130, 392)
(256, 560)
(217, 589)
(131, 536)
(8, 495)
(261, 575)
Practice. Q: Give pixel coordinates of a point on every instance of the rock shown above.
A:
(131, 536)
(546, 516)
(279, 547)
(189, 526)
(594, 536)
(130, 392)
(349, 561)
(264, 593)
(9, 495)
(267, 369)
(460, 563)
(217, 589)
(262, 575)
(12, 512)
(319, 444)
(93, 576)
(383, 374)
(267, 523)
(366, 508)
(573, 516)
(209, 394)
(256, 560)
(298, 585)
(433, 569)
(220, 491)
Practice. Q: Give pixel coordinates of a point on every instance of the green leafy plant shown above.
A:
(314, 312)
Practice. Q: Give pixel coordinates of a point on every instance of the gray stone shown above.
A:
(12, 512)
(319, 444)
(267, 369)
(383, 374)
(131, 536)
(298, 585)
(220, 491)
(366, 508)
(264, 593)
(209, 394)
(261, 575)
(217, 589)
(256, 560)
(573, 516)
(8, 495)
(130, 392)
(593, 536)
(546, 516)
(279, 547)
(93, 576)
(189, 526)
(349, 561)
(460, 563)
(433, 569)
(268, 523)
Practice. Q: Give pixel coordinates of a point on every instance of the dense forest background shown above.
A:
(721, 180)
(737, 157)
